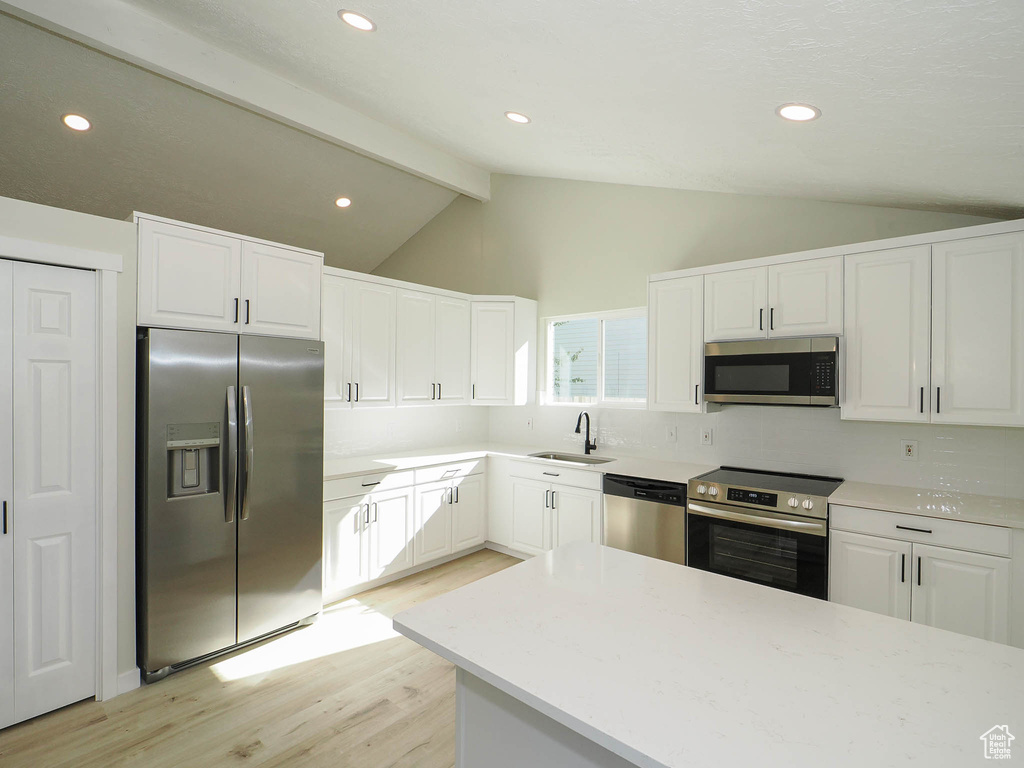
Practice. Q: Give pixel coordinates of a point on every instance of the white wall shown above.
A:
(30, 221)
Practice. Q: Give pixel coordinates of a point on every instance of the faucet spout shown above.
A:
(588, 444)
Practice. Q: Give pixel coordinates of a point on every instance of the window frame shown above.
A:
(601, 317)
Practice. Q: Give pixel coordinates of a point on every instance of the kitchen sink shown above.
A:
(573, 458)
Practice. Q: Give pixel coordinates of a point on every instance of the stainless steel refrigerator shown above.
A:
(230, 492)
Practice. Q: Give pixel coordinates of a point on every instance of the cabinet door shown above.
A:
(675, 344)
(576, 515)
(373, 344)
(734, 304)
(434, 503)
(978, 331)
(492, 363)
(451, 349)
(805, 298)
(188, 278)
(870, 573)
(6, 497)
(415, 351)
(963, 592)
(392, 519)
(469, 513)
(531, 516)
(280, 291)
(887, 346)
(345, 545)
(337, 336)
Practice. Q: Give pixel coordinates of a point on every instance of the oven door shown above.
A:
(771, 372)
(782, 551)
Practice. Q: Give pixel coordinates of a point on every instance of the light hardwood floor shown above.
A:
(346, 692)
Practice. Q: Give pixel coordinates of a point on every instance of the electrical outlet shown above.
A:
(671, 433)
(529, 423)
(458, 425)
(707, 436)
(908, 449)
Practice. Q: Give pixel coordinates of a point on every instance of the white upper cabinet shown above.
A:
(452, 329)
(503, 358)
(280, 291)
(888, 295)
(195, 278)
(978, 331)
(337, 335)
(805, 298)
(372, 320)
(735, 304)
(675, 340)
(188, 278)
(433, 349)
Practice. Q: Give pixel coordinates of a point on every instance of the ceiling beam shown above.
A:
(124, 31)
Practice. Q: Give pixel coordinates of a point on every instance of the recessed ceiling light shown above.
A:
(357, 20)
(76, 122)
(517, 117)
(798, 113)
(343, 202)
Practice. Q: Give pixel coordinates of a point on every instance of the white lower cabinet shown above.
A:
(434, 504)
(391, 532)
(531, 516)
(547, 515)
(469, 513)
(870, 572)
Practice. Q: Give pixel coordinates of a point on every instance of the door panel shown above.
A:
(433, 521)
(280, 526)
(54, 509)
(391, 532)
(493, 338)
(451, 349)
(870, 573)
(280, 291)
(373, 344)
(469, 514)
(416, 384)
(345, 549)
(7, 493)
(577, 515)
(805, 298)
(734, 304)
(531, 516)
(676, 344)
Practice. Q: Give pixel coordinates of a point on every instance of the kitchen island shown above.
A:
(589, 656)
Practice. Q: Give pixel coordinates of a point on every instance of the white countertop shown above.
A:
(670, 666)
(948, 505)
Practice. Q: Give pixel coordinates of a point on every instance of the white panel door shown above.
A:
(345, 545)
(414, 351)
(870, 573)
(188, 278)
(434, 503)
(492, 363)
(391, 532)
(6, 494)
(280, 291)
(805, 298)
(469, 513)
(531, 516)
(452, 349)
(373, 344)
(675, 344)
(576, 515)
(888, 344)
(978, 331)
(963, 592)
(55, 470)
(337, 336)
(735, 304)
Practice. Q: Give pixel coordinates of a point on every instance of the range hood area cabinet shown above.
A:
(935, 333)
(196, 278)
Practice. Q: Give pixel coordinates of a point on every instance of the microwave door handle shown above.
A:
(230, 497)
(249, 450)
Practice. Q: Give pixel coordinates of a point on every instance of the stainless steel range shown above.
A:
(766, 527)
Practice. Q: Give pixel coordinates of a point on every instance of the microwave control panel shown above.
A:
(823, 374)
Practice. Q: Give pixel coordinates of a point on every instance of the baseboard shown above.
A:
(128, 681)
(506, 551)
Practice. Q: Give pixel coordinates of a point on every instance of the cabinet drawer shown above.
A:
(973, 537)
(360, 484)
(450, 471)
(552, 473)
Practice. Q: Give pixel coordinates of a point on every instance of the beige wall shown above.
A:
(29, 221)
(584, 246)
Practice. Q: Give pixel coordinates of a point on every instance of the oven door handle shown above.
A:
(814, 528)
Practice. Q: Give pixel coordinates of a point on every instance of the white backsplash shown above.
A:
(986, 460)
(369, 431)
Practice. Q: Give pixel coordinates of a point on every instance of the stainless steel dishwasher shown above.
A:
(645, 516)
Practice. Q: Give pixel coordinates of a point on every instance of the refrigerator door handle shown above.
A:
(231, 496)
(247, 417)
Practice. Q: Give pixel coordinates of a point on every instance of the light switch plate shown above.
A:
(908, 449)
(529, 423)
(707, 436)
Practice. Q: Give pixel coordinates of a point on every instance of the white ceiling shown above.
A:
(161, 147)
(922, 100)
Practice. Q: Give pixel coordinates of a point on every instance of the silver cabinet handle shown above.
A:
(236, 310)
(456, 494)
(553, 505)
(246, 311)
(250, 449)
(433, 391)
(547, 493)
(357, 391)
(375, 511)
(439, 390)
(366, 514)
(350, 392)
(231, 497)
(450, 495)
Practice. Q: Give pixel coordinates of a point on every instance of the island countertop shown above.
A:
(670, 666)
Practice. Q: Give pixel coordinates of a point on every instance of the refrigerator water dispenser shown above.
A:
(193, 459)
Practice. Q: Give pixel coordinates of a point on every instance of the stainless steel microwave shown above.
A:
(773, 372)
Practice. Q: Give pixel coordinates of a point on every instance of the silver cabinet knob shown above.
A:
(793, 502)
(808, 504)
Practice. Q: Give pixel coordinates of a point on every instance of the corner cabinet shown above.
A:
(504, 351)
(201, 279)
(675, 344)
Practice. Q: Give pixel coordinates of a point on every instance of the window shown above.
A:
(598, 359)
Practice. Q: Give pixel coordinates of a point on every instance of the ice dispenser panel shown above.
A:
(193, 459)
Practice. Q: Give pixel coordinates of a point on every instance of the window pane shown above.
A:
(574, 346)
(625, 359)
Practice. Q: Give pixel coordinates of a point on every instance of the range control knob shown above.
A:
(702, 489)
(808, 504)
(712, 491)
(793, 502)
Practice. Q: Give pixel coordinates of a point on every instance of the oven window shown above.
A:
(752, 378)
(756, 554)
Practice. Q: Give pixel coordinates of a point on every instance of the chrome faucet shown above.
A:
(588, 446)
